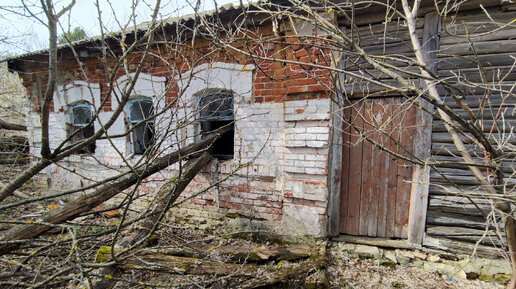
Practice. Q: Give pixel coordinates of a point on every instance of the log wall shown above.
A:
(476, 52)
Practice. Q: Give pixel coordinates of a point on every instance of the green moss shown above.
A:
(388, 264)
(502, 278)
(103, 254)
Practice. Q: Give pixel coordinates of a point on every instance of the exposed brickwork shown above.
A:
(282, 129)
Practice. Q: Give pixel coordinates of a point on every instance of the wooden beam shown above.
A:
(380, 242)
(335, 156)
(423, 137)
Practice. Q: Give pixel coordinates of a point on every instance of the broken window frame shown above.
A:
(223, 148)
(141, 137)
(85, 128)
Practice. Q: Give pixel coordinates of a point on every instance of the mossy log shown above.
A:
(160, 261)
(244, 253)
(283, 275)
(156, 261)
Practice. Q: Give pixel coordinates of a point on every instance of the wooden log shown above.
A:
(445, 138)
(488, 237)
(283, 275)
(493, 74)
(489, 60)
(380, 242)
(100, 195)
(458, 191)
(158, 261)
(244, 253)
(477, 36)
(477, 207)
(456, 220)
(456, 246)
(485, 47)
(498, 126)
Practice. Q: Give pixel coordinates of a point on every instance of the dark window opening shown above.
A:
(142, 134)
(82, 115)
(216, 111)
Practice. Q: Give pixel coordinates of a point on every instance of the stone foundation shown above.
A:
(451, 266)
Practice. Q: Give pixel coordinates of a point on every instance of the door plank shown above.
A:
(355, 171)
(367, 154)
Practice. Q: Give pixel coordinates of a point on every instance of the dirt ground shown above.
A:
(337, 270)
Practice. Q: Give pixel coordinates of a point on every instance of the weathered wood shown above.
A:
(345, 167)
(338, 147)
(383, 174)
(477, 36)
(243, 252)
(455, 246)
(283, 275)
(488, 237)
(499, 59)
(423, 137)
(498, 126)
(367, 153)
(157, 261)
(355, 173)
(456, 220)
(406, 132)
(443, 206)
(100, 195)
(486, 47)
(493, 74)
(392, 182)
(380, 242)
(445, 138)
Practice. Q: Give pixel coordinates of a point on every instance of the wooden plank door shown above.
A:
(375, 188)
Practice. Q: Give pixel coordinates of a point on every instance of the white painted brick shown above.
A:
(314, 197)
(294, 156)
(322, 137)
(294, 170)
(315, 157)
(321, 165)
(295, 130)
(315, 171)
(306, 136)
(316, 144)
(295, 143)
(305, 164)
(318, 130)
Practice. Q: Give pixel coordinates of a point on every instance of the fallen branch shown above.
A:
(166, 197)
(246, 252)
(12, 126)
(102, 194)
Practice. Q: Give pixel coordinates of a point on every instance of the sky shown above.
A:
(23, 33)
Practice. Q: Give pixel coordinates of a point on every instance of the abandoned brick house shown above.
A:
(306, 177)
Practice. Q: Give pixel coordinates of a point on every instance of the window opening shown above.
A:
(142, 134)
(82, 115)
(216, 111)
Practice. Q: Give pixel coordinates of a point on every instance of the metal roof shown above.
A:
(229, 7)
